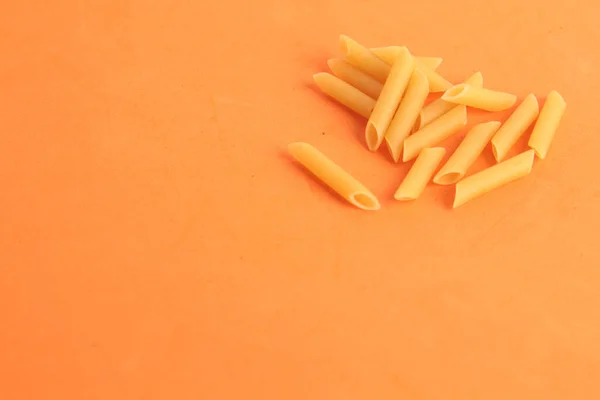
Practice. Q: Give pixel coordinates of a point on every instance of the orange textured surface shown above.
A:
(156, 242)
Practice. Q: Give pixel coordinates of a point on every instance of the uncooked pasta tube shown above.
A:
(345, 93)
(388, 101)
(484, 99)
(514, 127)
(407, 113)
(420, 173)
(466, 153)
(355, 77)
(493, 177)
(363, 59)
(439, 107)
(435, 132)
(389, 54)
(547, 124)
(334, 176)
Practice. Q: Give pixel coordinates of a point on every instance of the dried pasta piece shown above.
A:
(435, 132)
(493, 177)
(355, 77)
(345, 93)
(363, 59)
(484, 99)
(389, 54)
(547, 124)
(515, 126)
(334, 176)
(388, 101)
(407, 113)
(466, 153)
(420, 174)
(439, 107)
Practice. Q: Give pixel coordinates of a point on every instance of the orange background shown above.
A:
(156, 242)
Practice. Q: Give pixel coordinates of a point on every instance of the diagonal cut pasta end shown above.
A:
(365, 201)
(372, 137)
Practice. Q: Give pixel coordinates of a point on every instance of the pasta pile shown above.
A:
(389, 87)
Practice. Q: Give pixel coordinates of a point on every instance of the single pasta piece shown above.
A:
(388, 101)
(466, 153)
(515, 126)
(493, 177)
(355, 77)
(345, 93)
(484, 99)
(435, 132)
(363, 59)
(547, 124)
(389, 54)
(408, 111)
(437, 83)
(420, 173)
(439, 107)
(334, 176)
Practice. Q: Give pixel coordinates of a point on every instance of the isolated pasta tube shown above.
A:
(493, 177)
(389, 54)
(334, 176)
(439, 107)
(408, 111)
(345, 93)
(388, 101)
(466, 153)
(420, 173)
(481, 98)
(435, 132)
(515, 126)
(355, 77)
(547, 124)
(363, 59)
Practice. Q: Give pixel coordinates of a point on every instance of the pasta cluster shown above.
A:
(389, 87)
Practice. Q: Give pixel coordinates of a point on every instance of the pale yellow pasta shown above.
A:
(345, 93)
(493, 177)
(514, 127)
(388, 101)
(408, 111)
(389, 54)
(334, 176)
(435, 132)
(547, 124)
(437, 83)
(439, 107)
(467, 152)
(355, 77)
(363, 59)
(420, 173)
(484, 99)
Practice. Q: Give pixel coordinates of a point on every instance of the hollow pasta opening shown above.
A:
(455, 91)
(372, 137)
(448, 178)
(364, 201)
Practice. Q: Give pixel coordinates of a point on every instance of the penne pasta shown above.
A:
(420, 174)
(547, 124)
(345, 93)
(493, 177)
(514, 127)
(334, 176)
(388, 101)
(363, 59)
(408, 111)
(435, 132)
(484, 99)
(466, 153)
(355, 77)
(437, 83)
(439, 107)
(389, 54)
